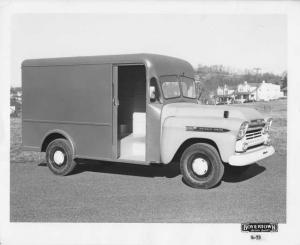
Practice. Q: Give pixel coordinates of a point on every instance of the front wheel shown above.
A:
(201, 166)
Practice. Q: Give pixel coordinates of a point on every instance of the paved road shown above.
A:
(119, 192)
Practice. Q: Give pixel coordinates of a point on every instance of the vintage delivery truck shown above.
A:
(138, 108)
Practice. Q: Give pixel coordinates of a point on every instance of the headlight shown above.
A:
(242, 130)
(267, 126)
(245, 146)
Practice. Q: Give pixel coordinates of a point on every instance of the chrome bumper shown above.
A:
(251, 156)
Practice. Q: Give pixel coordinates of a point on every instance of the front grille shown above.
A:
(253, 134)
(255, 129)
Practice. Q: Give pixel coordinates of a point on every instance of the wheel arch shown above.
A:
(56, 134)
(188, 142)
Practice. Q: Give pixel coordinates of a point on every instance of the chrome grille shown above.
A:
(253, 134)
(255, 129)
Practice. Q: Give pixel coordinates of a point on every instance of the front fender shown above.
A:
(174, 134)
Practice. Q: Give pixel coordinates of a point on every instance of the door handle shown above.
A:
(115, 102)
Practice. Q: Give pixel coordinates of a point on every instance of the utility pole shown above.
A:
(257, 69)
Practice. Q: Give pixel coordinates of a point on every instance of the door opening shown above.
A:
(131, 122)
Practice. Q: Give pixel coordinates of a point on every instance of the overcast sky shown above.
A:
(238, 41)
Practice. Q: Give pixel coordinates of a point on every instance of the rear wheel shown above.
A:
(59, 157)
(201, 166)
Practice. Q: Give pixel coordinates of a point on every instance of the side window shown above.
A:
(154, 91)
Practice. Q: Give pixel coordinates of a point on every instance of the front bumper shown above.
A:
(251, 156)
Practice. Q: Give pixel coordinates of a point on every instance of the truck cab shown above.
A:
(139, 108)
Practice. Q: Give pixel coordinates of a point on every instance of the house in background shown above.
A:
(15, 101)
(257, 92)
(246, 92)
(268, 91)
(225, 94)
(16, 94)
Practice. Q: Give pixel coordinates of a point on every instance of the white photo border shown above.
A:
(143, 233)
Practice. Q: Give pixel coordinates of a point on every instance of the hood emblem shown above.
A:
(206, 129)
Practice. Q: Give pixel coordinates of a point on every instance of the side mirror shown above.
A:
(152, 94)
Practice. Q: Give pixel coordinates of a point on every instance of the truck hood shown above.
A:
(197, 110)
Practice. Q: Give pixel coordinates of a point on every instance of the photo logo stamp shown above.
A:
(259, 227)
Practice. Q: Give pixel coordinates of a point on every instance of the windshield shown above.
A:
(170, 86)
(188, 87)
(172, 89)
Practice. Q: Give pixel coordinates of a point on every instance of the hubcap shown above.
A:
(59, 157)
(200, 166)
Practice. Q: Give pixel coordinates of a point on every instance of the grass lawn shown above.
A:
(16, 154)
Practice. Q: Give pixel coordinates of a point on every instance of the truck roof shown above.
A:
(163, 65)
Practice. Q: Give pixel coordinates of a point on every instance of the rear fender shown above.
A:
(64, 134)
